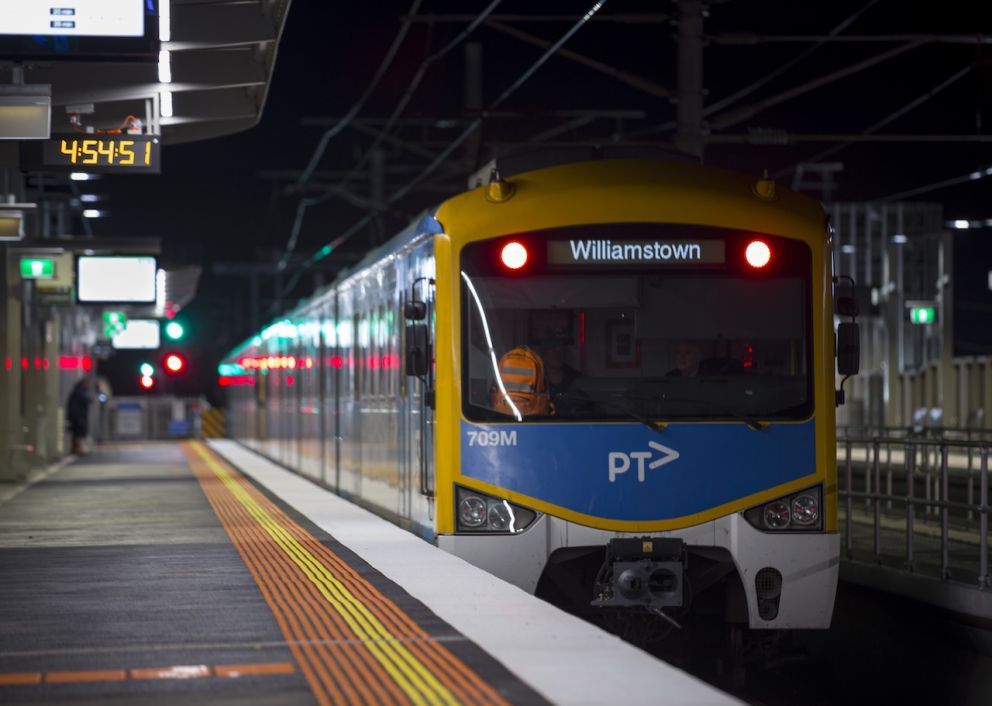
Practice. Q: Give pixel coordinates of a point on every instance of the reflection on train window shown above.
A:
(687, 345)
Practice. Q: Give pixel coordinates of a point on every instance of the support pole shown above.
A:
(947, 382)
(689, 133)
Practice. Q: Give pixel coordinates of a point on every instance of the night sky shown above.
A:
(211, 203)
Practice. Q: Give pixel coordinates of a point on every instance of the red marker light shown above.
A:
(514, 255)
(147, 382)
(757, 253)
(174, 363)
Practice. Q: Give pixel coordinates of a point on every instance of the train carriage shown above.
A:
(611, 382)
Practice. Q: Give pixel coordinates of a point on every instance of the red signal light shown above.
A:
(757, 253)
(174, 363)
(513, 255)
(147, 382)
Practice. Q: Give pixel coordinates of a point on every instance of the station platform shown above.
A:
(180, 573)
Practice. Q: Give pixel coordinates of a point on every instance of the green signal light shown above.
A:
(922, 315)
(174, 330)
(147, 370)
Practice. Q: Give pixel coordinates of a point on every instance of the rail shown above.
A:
(926, 487)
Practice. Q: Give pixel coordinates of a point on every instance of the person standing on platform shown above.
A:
(78, 414)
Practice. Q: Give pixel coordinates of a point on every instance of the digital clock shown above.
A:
(100, 154)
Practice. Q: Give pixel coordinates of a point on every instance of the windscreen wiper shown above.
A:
(654, 425)
(750, 421)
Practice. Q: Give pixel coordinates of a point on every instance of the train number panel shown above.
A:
(631, 473)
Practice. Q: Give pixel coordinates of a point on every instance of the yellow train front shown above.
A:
(678, 448)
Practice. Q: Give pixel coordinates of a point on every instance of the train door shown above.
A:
(349, 392)
(419, 337)
(261, 411)
(331, 364)
(309, 385)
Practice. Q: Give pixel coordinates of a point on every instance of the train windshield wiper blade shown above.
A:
(608, 404)
(750, 421)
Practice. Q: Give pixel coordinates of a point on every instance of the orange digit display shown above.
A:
(91, 156)
(127, 154)
(71, 152)
(95, 152)
(106, 150)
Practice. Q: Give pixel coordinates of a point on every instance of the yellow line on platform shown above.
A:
(419, 684)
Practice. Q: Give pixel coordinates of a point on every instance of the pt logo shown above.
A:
(620, 462)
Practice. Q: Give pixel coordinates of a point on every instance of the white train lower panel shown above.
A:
(807, 562)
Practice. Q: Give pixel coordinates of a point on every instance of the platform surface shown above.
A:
(161, 573)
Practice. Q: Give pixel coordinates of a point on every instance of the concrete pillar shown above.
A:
(53, 402)
(12, 466)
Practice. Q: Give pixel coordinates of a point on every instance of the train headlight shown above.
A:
(479, 512)
(472, 511)
(805, 509)
(776, 515)
(501, 516)
(795, 512)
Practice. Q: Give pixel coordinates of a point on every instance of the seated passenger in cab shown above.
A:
(687, 358)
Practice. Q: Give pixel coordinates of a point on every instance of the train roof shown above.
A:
(555, 176)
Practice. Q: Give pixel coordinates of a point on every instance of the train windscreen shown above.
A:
(680, 326)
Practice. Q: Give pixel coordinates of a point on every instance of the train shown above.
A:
(611, 382)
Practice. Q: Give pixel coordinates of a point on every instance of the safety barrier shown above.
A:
(149, 418)
(931, 487)
(212, 424)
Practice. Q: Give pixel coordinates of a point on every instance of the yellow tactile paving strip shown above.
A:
(351, 642)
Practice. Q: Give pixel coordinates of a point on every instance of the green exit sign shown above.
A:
(37, 268)
(922, 315)
(114, 322)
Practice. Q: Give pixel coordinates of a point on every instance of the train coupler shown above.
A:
(642, 571)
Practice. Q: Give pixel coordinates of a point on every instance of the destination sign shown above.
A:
(640, 252)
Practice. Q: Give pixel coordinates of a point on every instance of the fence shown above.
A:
(924, 494)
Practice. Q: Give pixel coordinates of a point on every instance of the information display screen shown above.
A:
(605, 251)
(138, 333)
(115, 279)
(92, 18)
(79, 29)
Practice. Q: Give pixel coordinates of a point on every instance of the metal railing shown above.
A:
(918, 431)
(944, 484)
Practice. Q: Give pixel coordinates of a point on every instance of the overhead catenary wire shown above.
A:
(455, 144)
(387, 61)
(767, 78)
(306, 202)
(891, 117)
(974, 175)
(325, 139)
